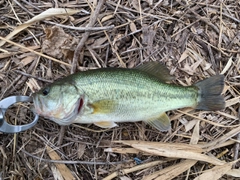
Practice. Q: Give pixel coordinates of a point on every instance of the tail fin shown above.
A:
(210, 90)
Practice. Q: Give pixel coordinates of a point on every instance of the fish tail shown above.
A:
(210, 90)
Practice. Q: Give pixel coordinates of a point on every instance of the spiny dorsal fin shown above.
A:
(156, 69)
(162, 123)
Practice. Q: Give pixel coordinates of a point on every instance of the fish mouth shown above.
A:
(37, 105)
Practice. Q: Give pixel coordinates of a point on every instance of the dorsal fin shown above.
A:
(156, 69)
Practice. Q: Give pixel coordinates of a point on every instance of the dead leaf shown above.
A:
(228, 65)
(106, 18)
(232, 101)
(26, 60)
(234, 173)
(215, 173)
(187, 68)
(179, 146)
(49, 73)
(133, 27)
(117, 41)
(135, 4)
(195, 135)
(99, 41)
(56, 41)
(133, 169)
(56, 174)
(190, 124)
(176, 150)
(148, 35)
(81, 150)
(171, 171)
(150, 2)
(124, 178)
(183, 56)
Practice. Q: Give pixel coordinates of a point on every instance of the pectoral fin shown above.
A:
(104, 106)
(106, 124)
(162, 123)
(156, 69)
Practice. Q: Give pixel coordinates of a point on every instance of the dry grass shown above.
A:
(195, 39)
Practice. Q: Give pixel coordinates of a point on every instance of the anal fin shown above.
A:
(162, 123)
(106, 124)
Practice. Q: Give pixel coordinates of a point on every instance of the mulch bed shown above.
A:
(194, 39)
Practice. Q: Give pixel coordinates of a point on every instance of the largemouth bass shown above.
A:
(110, 95)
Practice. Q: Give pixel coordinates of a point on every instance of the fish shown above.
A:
(107, 96)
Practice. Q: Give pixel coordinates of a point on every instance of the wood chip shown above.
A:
(62, 168)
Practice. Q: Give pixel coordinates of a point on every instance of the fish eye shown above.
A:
(45, 91)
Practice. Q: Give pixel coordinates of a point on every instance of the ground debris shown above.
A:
(194, 39)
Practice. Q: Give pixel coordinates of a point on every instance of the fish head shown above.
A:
(59, 102)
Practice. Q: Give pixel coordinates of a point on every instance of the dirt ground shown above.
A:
(41, 41)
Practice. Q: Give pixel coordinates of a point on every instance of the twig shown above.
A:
(92, 130)
(92, 21)
(84, 29)
(233, 18)
(24, 8)
(212, 59)
(73, 162)
(2, 175)
(32, 76)
(61, 135)
(3, 152)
